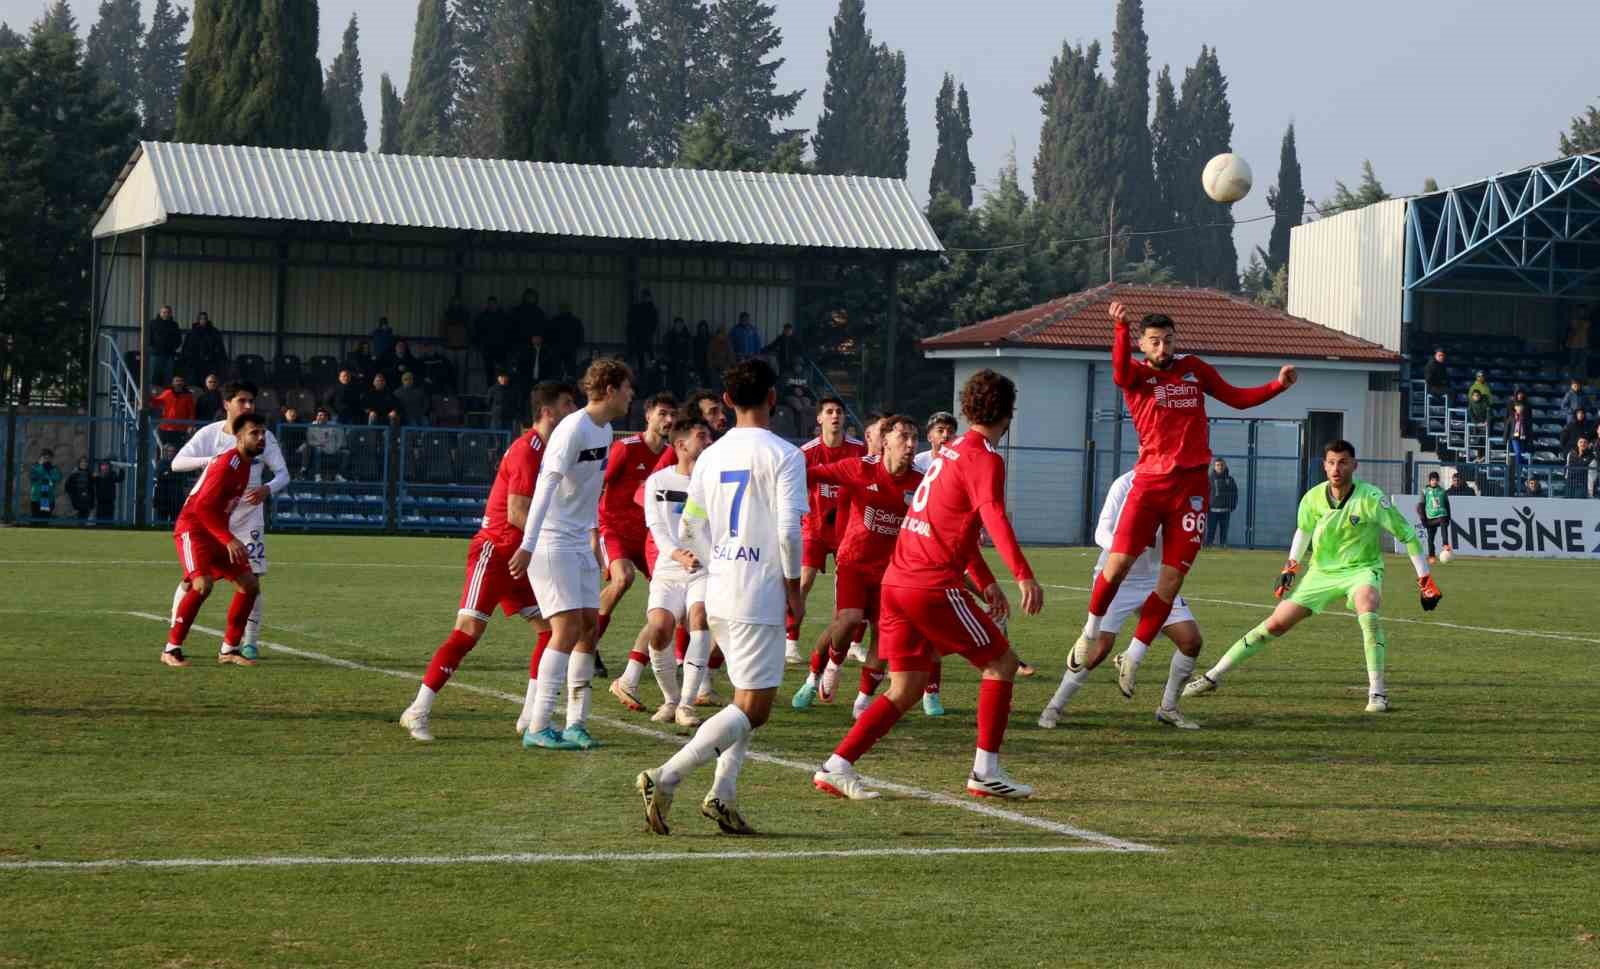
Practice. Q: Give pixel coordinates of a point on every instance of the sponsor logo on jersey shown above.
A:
(1355, 519)
(1177, 395)
(872, 487)
(917, 526)
(592, 454)
(639, 467)
(881, 520)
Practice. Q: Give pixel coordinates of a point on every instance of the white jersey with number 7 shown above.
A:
(749, 490)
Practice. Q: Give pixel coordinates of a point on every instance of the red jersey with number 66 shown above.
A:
(965, 485)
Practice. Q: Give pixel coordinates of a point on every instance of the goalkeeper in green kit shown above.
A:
(1342, 522)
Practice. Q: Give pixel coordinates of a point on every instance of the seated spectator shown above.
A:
(80, 490)
(382, 339)
(438, 376)
(360, 360)
(175, 407)
(1534, 489)
(415, 406)
(105, 481)
(1478, 407)
(344, 399)
(504, 408)
(784, 349)
(1580, 469)
(745, 338)
(208, 403)
(292, 439)
(397, 361)
(1480, 383)
(1577, 428)
(326, 449)
(1574, 400)
(379, 402)
(44, 480)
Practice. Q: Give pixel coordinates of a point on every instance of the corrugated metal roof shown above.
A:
(1209, 322)
(598, 201)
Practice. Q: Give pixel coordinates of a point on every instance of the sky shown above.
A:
(1450, 89)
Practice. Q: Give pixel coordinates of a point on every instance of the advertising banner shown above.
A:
(1517, 527)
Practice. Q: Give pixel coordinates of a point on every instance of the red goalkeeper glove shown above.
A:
(1286, 579)
(1430, 593)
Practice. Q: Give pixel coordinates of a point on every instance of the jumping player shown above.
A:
(746, 500)
(488, 581)
(1181, 627)
(207, 548)
(1171, 491)
(622, 529)
(925, 610)
(1343, 523)
(822, 531)
(248, 523)
(557, 556)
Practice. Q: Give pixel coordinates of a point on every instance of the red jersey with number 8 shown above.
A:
(939, 535)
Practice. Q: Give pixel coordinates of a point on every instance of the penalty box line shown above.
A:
(1104, 841)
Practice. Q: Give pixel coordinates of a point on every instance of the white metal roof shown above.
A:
(163, 180)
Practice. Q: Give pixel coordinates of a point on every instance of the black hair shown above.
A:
(1339, 446)
(747, 384)
(1433, 476)
(548, 393)
(684, 426)
(238, 423)
(234, 388)
(1157, 321)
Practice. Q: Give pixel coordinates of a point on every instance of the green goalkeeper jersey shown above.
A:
(1346, 536)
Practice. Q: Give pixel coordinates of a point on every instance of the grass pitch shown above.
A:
(1460, 830)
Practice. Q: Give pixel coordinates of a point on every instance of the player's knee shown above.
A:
(249, 583)
(906, 691)
(1191, 645)
(471, 625)
(201, 584)
(1004, 668)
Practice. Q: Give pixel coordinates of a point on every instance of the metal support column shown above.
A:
(144, 317)
(1250, 495)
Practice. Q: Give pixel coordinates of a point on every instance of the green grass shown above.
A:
(1460, 830)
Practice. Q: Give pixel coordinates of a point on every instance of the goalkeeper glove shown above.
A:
(1286, 579)
(1430, 593)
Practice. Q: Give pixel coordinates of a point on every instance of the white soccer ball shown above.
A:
(1446, 555)
(1227, 178)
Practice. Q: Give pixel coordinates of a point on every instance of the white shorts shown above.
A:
(251, 531)
(1130, 599)
(675, 591)
(753, 652)
(564, 580)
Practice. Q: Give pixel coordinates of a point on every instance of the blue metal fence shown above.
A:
(444, 477)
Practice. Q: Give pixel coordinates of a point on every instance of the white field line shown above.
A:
(934, 797)
(534, 858)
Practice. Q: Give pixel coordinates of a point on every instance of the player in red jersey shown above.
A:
(926, 611)
(1166, 396)
(820, 531)
(488, 583)
(622, 533)
(206, 546)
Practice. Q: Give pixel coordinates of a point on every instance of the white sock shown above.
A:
(1177, 675)
(721, 731)
(177, 597)
(1071, 683)
(665, 666)
(1375, 683)
(709, 683)
(1091, 628)
(986, 763)
(813, 678)
(695, 659)
(552, 677)
(855, 644)
(580, 670)
(725, 787)
(252, 625)
(529, 698)
(424, 701)
(863, 700)
(1135, 653)
(791, 645)
(836, 763)
(631, 676)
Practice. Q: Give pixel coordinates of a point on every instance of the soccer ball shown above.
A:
(1446, 555)
(1227, 178)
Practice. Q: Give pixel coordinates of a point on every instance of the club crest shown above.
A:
(1197, 503)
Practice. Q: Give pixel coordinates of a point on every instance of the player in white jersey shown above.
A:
(248, 521)
(941, 428)
(677, 585)
(1181, 626)
(557, 553)
(746, 499)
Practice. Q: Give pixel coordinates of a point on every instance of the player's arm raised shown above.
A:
(1125, 371)
(1242, 398)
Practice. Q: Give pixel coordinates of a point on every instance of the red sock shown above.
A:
(1102, 594)
(934, 676)
(791, 629)
(994, 709)
(870, 678)
(600, 626)
(859, 633)
(819, 659)
(238, 615)
(680, 643)
(188, 608)
(716, 658)
(447, 659)
(875, 721)
(538, 651)
(1152, 617)
(634, 656)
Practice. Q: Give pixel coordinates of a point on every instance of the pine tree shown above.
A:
(708, 143)
(1072, 172)
(341, 89)
(889, 146)
(1208, 124)
(1137, 203)
(252, 76)
(10, 40)
(842, 139)
(1430, 184)
(953, 173)
(1288, 202)
(556, 106)
(58, 18)
(742, 38)
(617, 31)
(391, 107)
(431, 90)
(675, 73)
(1584, 134)
(1369, 191)
(489, 36)
(161, 69)
(115, 48)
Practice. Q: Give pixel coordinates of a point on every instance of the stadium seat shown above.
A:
(302, 400)
(479, 457)
(447, 410)
(433, 460)
(287, 372)
(366, 454)
(322, 372)
(267, 403)
(251, 367)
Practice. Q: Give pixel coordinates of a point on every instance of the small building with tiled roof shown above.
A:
(1059, 353)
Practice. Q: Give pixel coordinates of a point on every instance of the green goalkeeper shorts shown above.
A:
(1318, 590)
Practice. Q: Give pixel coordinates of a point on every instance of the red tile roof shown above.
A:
(1209, 322)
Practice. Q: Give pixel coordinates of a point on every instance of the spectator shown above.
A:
(1434, 510)
(1519, 435)
(564, 335)
(746, 341)
(163, 340)
(344, 399)
(1520, 396)
(1480, 383)
(1579, 427)
(1580, 469)
(379, 402)
(80, 490)
(382, 339)
(1574, 400)
(292, 440)
(504, 408)
(719, 355)
(203, 350)
(1459, 486)
(536, 363)
(487, 335)
(1578, 342)
(175, 406)
(327, 450)
(170, 486)
(1224, 499)
(208, 402)
(679, 345)
(105, 481)
(785, 349)
(361, 361)
(1478, 407)
(44, 480)
(1436, 375)
(400, 361)
(438, 376)
(415, 407)
(643, 321)
(700, 352)
(797, 395)
(1534, 489)
(529, 319)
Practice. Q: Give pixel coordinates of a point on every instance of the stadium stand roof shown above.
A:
(1209, 322)
(164, 180)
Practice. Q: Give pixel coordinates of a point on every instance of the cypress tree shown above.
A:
(161, 69)
(431, 89)
(252, 76)
(742, 39)
(889, 144)
(953, 173)
(1169, 152)
(1130, 87)
(391, 107)
(841, 142)
(617, 31)
(10, 40)
(1208, 121)
(347, 127)
(489, 38)
(114, 49)
(1072, 173)
(675, 73)
(1288, 202)
(556, 108)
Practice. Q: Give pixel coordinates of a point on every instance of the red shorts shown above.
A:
(616, 545)
(1175, 503)
(855, 587)
(920, 625)
(489, 583)
(199, 554)
(814, 552)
